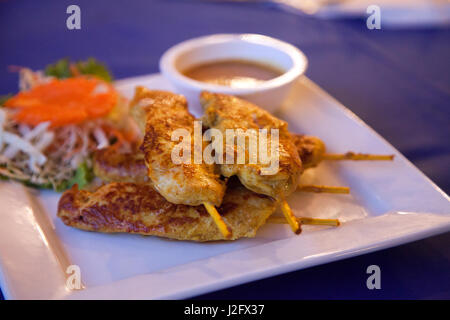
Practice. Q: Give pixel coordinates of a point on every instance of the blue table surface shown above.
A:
(397, 81)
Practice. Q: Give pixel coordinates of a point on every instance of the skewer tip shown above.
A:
(323, 189)
(358, 156)
(294, 223)
(220, 223)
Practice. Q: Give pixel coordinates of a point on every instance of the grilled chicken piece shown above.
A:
(139, 208)
(114, 165)
(159, 113)
(224, 112)
(310, 149)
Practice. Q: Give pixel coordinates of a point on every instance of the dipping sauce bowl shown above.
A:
(231, 49)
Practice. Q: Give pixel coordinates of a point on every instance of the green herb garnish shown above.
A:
(60, 69)
(93, 67)
(82, 177)
(64, 68)
(4, 98)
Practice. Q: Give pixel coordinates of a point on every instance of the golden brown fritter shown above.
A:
(310, 149)
(160, 113)
(138, 208)
(224, 112)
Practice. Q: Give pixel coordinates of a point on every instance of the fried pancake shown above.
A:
(225, 112)
(139, 208)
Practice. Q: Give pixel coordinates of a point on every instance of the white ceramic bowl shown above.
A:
(251, 47)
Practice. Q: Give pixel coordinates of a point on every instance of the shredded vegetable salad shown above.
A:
(49, 130)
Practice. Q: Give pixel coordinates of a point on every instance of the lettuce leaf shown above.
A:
(59, 69)
(82, 177)
(63, 69)
(4, 98)
(93, 67)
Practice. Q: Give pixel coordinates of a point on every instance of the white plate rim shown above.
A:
(227, 271)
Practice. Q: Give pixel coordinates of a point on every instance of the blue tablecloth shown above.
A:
(395, 80)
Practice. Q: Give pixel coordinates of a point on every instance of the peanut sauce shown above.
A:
(233, 73)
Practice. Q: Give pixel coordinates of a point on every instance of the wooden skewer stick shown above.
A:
(323, 189)
(357, 156)
(303, 220)
(290, 217)
(224, 229)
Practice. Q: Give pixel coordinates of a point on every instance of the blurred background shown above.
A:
(397, 79)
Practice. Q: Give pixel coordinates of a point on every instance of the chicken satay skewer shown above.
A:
(290, 217)
(312, 151)
(357, 156)
(160, 114)
(224, 112)
(224, 229)
(113, 166)
(323, 189)
(104, 210)
(304, 220)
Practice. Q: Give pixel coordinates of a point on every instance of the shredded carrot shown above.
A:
(62, 102)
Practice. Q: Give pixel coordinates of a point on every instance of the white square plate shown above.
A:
(391, 203)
